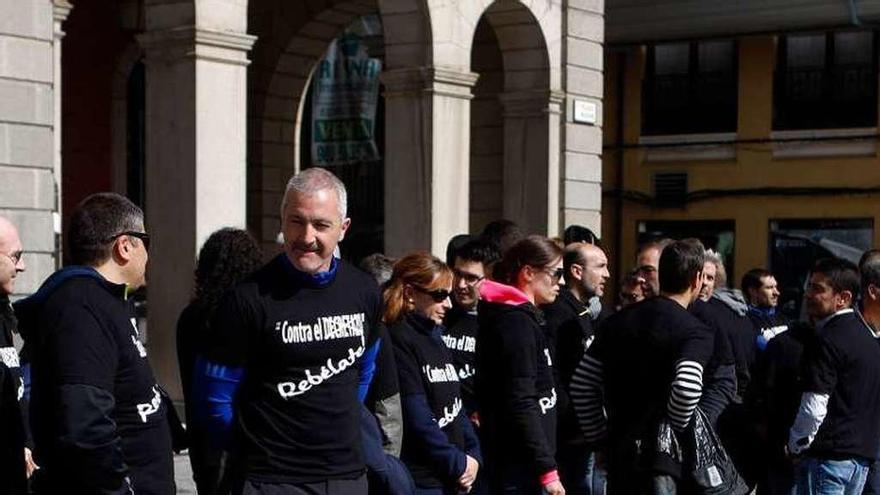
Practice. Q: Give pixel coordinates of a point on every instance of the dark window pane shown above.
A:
(690, 88)
(826, 81)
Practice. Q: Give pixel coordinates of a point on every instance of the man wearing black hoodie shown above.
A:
(570, 330)
(14, 448)
(99, 420)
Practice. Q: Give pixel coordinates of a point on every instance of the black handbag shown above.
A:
(711, 469)
(179, 439)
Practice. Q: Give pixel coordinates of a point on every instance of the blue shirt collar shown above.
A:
(317, 280)
(769, 311)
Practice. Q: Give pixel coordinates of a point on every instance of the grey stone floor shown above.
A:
(183, 475)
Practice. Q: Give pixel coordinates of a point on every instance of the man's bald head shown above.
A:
(11, 261)
(586, 269)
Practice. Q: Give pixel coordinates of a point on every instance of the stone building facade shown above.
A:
(195, 108)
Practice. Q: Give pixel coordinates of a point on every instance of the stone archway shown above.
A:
(515, 140)
(292, 38)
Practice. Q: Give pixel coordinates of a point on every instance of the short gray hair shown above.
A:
(721, 273)
(312, 180)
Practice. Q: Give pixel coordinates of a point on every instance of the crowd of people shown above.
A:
(497, 370)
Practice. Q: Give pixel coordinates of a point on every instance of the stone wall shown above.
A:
(27, 143)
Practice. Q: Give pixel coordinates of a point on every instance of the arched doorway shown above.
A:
(293, 37)
(514, 122)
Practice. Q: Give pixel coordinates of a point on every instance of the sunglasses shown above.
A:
(556, 274)
(142, 236)
(437, 295)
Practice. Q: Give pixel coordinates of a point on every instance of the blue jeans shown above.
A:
(578, 473)
(827, 477)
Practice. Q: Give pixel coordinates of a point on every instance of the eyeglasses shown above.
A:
(15, 257)
(437, 295)
(646, 269)
(143, 236)
(556, 274)
(469, 278)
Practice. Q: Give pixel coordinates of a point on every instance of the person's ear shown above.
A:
(346, 223)
(577, 271)
(846, 298)
(873, 292)
(407, 293)
(123, 248)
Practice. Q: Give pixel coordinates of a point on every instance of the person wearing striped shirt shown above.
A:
(645, 366)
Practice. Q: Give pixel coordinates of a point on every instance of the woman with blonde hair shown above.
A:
(514, 382)
(439, 445)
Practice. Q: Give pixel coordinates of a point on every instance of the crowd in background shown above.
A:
(505, 368)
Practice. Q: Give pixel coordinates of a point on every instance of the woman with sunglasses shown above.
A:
(440, 447)
(514, 384)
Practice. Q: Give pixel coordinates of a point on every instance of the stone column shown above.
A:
(427, 152)
(583, 30)
(28, 133)
(60, 10)
(531, 159)
(195, 151)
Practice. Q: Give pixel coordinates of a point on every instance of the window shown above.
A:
(795, 245)
(690, 88)
(826, 81)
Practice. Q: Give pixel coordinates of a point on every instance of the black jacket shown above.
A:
(515, 388)
(12, 406)
(779, 383)
(100, 424)
(719, 378)
(569, 331)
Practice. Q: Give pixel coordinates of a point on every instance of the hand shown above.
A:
(554, 488)
(475, 419)
(467, 478)
(29, 463)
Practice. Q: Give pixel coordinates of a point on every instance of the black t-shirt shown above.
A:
(846, 366)
(297, 410)
(88, 352)
(639, 347)
(569, 331)
(425, 366)
(461, 339)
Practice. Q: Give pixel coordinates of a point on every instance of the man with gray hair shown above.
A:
(13, 405)
(293, 354)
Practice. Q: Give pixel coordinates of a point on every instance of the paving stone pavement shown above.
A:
(183, 475)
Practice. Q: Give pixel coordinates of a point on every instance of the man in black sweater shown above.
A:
(645, 366)
(293, 354)
(570, 331)
(99, 420)
(836, 429)
(471, 264)
(14, 448)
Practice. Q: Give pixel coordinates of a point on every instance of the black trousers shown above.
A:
(357, 486)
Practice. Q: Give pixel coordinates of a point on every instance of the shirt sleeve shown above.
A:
(87, 431)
